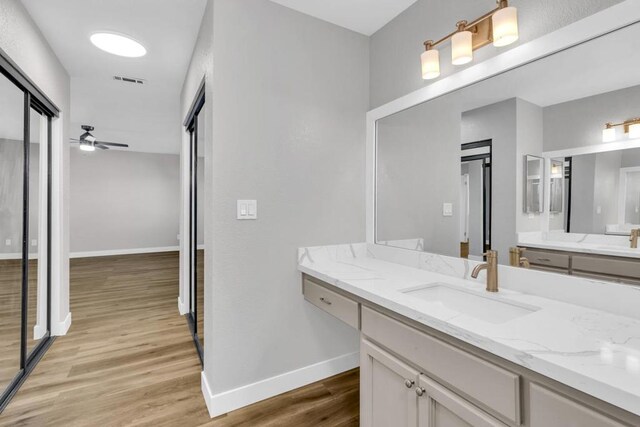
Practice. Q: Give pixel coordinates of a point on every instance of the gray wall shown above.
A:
(287, 128)
(396, 48)
(530, 141)
(498, 122)
(419, 170)
(594, 191)
(124, 200)
(578, 123)
(11, 196)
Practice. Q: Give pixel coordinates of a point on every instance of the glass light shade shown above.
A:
(609, 135)
(461, 48)
(87, 147)
(505, 26)
(430, 64)
(117, 44)
(634, 131)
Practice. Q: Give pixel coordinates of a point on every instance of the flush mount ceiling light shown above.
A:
(118, 44)
(631, 127)
(499, 26)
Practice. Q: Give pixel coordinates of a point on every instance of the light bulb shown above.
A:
(634, 131)
(430, 64)
(609, 134)
(87, 147)
(461, 47)
(505, 26)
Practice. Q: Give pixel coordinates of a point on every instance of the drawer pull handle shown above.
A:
(409, 383)
(325, 301)
(544, 260)
(420, 391)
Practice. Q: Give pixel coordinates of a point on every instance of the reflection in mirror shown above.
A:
(556, 193)
(534, 184)
(551, 178)
(475, 199)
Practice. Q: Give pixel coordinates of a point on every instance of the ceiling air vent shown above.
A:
(128, 80)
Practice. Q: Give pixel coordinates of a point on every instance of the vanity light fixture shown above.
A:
(631, 127)
(499, 26)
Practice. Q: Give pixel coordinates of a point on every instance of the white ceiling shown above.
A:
(363, 16)
(146, 117)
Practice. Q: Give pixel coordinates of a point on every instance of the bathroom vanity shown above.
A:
(506, 154)
(437, 350)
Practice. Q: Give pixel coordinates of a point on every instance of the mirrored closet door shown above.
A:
(25, 153)
(196, 129)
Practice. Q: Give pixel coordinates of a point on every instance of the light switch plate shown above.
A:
(247, 209)
(447, 209)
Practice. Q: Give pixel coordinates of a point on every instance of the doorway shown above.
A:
(475, 200)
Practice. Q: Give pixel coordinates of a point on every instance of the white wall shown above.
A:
(286, 127)
(24, 44)
(122, 200)
(396, 48)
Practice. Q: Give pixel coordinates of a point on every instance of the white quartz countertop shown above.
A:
(581, 243)
(590, 350)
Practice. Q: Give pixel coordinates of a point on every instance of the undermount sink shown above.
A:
(465, 302)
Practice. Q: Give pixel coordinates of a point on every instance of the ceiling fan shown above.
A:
(89, 143)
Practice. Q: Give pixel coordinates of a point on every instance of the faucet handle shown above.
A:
(490, 254)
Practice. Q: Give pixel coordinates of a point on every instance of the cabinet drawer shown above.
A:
(493, 387)
(341, 307)
(549, 409)
(547, 258)
(613, 266)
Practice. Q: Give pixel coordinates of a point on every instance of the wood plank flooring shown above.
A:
(129, 360)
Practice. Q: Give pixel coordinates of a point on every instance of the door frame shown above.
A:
(191, 242)
(487, 187)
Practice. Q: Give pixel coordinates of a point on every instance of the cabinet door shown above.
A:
(440, 407)
(387, 389)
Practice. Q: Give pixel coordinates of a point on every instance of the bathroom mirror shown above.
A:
(435, 191)
(533, 184)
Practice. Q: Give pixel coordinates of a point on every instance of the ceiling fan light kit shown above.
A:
(89, 143)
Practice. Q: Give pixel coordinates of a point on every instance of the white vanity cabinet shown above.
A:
(414, 376)
(395, 394)
(440, 407)
(387, 389)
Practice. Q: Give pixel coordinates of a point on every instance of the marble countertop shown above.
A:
(581, 243)
(590, 350)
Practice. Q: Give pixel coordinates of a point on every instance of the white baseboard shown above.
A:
(182, 308)
(231, 400)
(39, 331)
(112, 252)
(61, 328)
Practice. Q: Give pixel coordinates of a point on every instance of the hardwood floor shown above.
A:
(129, 359)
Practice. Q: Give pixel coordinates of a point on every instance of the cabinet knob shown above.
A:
(409, 383)
(420, 391)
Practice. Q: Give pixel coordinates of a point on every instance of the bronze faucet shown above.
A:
(492, 270)
(516, 259)
(635, 233)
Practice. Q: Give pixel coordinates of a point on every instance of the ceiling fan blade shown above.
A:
(100, 146)
(113, 144)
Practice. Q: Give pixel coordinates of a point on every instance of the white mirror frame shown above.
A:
(591, 27)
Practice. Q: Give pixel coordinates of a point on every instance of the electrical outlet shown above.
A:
(7, 242)
(34, 242)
